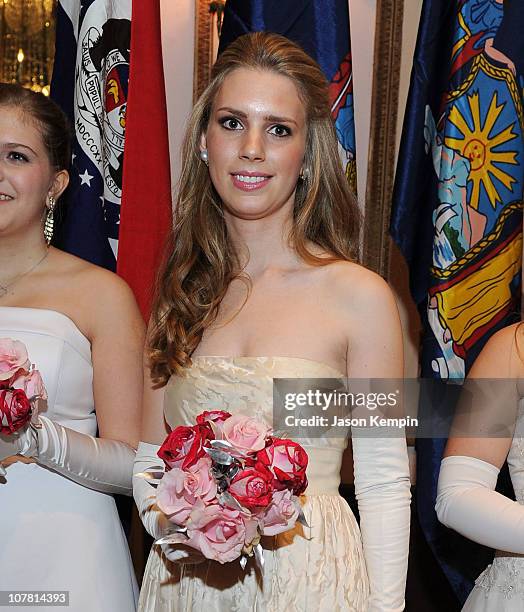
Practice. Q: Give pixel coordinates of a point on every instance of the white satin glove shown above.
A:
(468, 503)
(96, 463)
(7, 447)
(154, 520)
(382, 488)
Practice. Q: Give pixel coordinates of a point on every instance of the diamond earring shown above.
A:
(49, 220)
(304, 174)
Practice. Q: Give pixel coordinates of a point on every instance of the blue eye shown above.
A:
(17, 156)
(279, 130)
(230, 123)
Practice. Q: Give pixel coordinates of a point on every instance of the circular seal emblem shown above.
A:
(101, 92)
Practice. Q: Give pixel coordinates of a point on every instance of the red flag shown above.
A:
(145, 216)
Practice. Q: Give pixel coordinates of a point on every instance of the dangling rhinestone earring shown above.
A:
(49, 220)
(204, 156)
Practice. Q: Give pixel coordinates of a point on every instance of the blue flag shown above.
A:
(321, 28)
(457, 210)
(90, 82)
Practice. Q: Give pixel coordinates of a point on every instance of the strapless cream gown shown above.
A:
(320, 567)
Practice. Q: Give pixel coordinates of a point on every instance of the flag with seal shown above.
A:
(90, 82)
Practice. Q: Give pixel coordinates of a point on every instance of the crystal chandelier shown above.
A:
(27, 42)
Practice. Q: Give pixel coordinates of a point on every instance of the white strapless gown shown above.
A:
(500, 587)
(307, 569)
(55, 534)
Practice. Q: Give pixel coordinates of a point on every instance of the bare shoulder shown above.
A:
(502, 356)
(103, 299)
(359, 289)
(97, 284)
(369, 318)
(504, 339)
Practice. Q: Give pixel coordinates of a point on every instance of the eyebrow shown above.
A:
(13, 145)
(243, 115)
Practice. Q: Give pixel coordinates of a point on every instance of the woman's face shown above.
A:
(26, 174)
(256, 140)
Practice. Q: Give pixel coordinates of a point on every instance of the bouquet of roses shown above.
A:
(20, 387)
(227, 482)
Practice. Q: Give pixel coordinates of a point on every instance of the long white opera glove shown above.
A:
(154, 520)
(96, 463)
(468, 503)
(382, 488)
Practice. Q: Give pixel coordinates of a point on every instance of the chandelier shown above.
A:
(27, 42)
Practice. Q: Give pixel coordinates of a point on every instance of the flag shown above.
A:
(321, 28)
(146, 199)
(92, 83)
(457, 210)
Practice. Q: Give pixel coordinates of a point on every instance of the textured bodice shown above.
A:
(62, 354)
(245, 385)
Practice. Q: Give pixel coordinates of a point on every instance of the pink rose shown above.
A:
(184, 446)
(287, 461)
(179, 490)
(32, 384)
(13, 357)
(246, 433)
(280, 515)
(219, 533)
(252, 487)
(15, 410)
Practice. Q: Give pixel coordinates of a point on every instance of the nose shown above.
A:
(252, 145)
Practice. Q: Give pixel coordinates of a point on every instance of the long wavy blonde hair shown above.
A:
(200, 260)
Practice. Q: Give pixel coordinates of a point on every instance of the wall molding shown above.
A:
(381, 152)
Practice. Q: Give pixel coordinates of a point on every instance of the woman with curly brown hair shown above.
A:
(261, 282)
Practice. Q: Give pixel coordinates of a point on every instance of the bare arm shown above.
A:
(466, 499)
(381, 466)
(117, 339)
(497, 361)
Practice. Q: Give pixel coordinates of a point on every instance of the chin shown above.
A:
(248, 213)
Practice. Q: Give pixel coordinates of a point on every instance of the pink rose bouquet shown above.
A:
(227, 482)
(20, 387)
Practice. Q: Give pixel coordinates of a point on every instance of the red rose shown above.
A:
(252, 487)
(184, 446)
(217, 417)
(287, 461)
(15, 410)
(212, 415)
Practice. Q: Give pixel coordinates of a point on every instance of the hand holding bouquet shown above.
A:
(228, 482)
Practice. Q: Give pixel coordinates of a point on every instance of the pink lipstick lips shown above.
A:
(250, 181)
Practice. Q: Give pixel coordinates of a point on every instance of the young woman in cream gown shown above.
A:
(59, 527)
(487, 432)
(260, 281)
